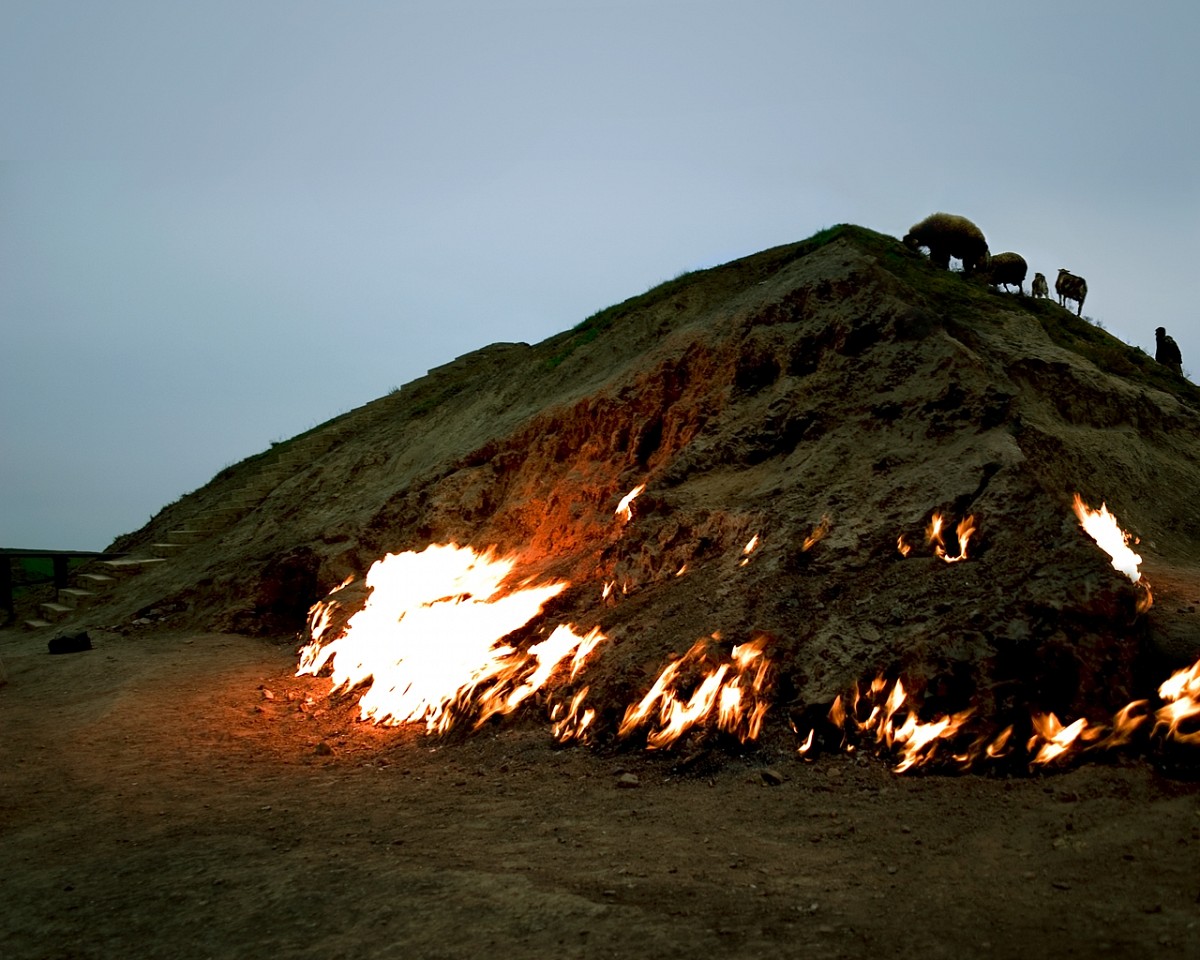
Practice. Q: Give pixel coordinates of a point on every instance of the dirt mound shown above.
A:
(843, 386)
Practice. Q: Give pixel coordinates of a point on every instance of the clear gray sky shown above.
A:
(222, 223)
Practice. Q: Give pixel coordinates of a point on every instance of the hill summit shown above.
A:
(794, 420)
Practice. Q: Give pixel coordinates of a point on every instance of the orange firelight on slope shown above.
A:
(428, 639)
(734, 694)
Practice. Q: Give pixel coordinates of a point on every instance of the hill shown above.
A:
(826, 397)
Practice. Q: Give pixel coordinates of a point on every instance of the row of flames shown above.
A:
(427, 647)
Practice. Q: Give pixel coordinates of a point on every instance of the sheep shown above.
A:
(1167, 352)
(1070, 287)
(947, 235)
(1040, 287)
(1006, 269)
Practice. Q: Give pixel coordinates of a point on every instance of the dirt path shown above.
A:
(155, 802)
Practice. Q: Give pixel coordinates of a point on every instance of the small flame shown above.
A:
(1181, 691)
(913, 741)
(625, 507)
(933, 534)
(748, 549)
(1051, 738)
(1102, 527)
(571, 723)
(999, 745)
(736, 693)
(819, 532)
(904, 548)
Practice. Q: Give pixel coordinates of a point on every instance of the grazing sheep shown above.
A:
(1070, 287)
(1167, 352)
(1040, 287)
(1007, 269)
(946, 236)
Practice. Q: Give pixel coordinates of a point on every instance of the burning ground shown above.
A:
(752, 456)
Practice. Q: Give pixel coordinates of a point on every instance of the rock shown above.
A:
(323, 749)
(770, 776)
(70, 643)
(628, 781)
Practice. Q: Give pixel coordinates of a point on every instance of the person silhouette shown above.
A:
(1167, 352)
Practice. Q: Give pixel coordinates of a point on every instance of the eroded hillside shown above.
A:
(841, 386)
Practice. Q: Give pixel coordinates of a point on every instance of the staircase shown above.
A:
(105, 575)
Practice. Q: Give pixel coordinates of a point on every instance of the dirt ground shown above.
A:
(176, 795)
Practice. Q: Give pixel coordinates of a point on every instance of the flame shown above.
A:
(999, 745)
(933, 534)
(915, 742)
(748, 549)
(1051, 738)
(904, 548)
(807, 744)
(1102, 527)
(819, 532)
(1181, 691)
(625, 507)
(571, 723)
(1125, 724)
(427, 641)
(736, 692)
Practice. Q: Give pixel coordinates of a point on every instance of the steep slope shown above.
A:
(843, 379)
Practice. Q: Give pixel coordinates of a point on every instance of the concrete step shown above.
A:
(37, 624)
(164, 550)
(101, 580)
(191, 535)
(132, 564)
(74, 596)
(222, 513)
(56, 609)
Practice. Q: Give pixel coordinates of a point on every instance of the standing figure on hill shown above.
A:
(1167, 352)
(1040, 287)
(1070, 287)
(947, 235)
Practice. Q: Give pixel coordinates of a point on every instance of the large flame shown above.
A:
(1102, 527)
(428, 639)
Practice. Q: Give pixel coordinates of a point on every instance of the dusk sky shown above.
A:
(222, 223)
